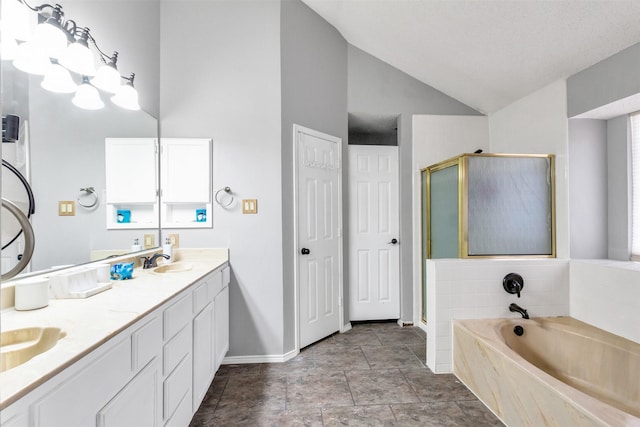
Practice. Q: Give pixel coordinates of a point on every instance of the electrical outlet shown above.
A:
(174, 239)
(149, 241)
(66, 208)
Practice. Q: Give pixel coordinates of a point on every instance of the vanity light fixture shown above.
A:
(87, 96)
(20, 26)
(126, 96)
(31, 59)
(58, 79)
(49, 36)
(77, 57)
(59, 46)
(107, 77)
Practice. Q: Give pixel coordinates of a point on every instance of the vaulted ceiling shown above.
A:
(486, 53)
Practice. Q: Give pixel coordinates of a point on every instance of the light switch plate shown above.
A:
(149, 241)
(66, 208)
(174, 239)
(249, 206)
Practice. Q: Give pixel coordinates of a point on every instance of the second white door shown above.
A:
(374, 253)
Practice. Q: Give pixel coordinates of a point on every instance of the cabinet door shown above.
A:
(76, 401)
(221, 334)
(203, 353)
(186, 170)
(137, 404)
(131, 170)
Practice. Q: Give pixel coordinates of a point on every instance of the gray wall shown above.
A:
(220, 79)
(376, 87)
(314, 95)
(588, 188)
(610, 80)
(619, 188)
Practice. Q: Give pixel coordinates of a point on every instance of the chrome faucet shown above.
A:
(513, 307)
(152, 262)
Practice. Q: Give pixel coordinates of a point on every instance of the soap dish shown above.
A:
(90, 292)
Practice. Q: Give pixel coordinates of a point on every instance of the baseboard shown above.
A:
(270, 358)
(267, 358)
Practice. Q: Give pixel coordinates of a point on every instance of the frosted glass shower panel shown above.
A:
(444, 212)
(509, 206)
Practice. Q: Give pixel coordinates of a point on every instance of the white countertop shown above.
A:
(92, 321)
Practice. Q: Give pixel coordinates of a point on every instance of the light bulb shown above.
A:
(78, 58)
(31, 59)
(107, 78)
(126, 97)
(17, 20)
(50, 37)
(57, 79)
(87, 96)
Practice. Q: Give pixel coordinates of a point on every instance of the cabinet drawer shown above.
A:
(200, 297)
(146, 343)
(177, 315)
(214, 283)
(176, 386)
(176, 349)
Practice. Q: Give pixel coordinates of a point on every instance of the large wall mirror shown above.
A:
(61, 149)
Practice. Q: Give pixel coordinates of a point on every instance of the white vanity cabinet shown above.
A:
(210, 331)
(154, 373)
(185, 182)
(221, 310)
(99, 388)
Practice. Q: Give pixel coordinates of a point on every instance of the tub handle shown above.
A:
(513, 283)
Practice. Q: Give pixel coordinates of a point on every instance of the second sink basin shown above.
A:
(20, 345)
(175, 267)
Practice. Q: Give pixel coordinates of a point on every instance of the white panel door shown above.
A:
(319, 227)
(374, 255)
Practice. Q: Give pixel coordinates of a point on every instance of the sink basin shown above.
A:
(20, 345)
(175, 267)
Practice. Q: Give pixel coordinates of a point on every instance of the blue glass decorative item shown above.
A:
(122, 271)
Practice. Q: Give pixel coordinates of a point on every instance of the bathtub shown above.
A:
(559, 372)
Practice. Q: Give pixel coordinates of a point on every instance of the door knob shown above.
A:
(305, 251)
(393, 242)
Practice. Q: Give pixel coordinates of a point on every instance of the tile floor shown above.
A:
(372, 375)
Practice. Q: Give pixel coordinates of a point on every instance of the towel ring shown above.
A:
(93, 199)
(218, 197)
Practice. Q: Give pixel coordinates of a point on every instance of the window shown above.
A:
(635, 185)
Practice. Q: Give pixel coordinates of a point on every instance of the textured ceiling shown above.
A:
(486, 53)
